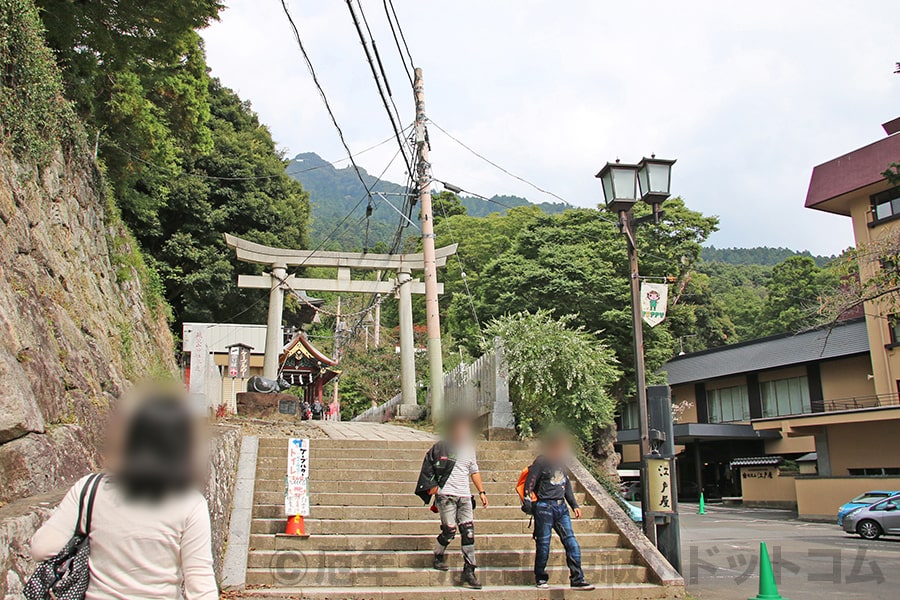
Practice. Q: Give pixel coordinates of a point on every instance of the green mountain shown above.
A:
(334, 192)
(760, 255)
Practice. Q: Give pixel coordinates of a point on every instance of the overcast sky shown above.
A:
(747, 96)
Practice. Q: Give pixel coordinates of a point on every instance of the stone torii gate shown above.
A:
(277, 281)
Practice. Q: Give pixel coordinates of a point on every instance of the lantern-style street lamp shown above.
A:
(654, 177)
(623, 185)
(620, 186)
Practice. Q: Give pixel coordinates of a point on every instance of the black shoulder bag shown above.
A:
(66, 575)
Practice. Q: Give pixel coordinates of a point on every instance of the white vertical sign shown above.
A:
(198, 363)
(654, 301)
(296, 494)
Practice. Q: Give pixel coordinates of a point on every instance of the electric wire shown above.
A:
(378, 74)
(318, 84)
(462, 271)
(496, 166)
(388, 10)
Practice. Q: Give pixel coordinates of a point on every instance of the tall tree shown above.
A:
(240, 187)
(795, 289)
(575, 263)
(558, 373)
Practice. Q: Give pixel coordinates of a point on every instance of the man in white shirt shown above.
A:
(454, 500)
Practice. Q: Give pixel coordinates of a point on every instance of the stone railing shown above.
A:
(381, 413)
(483, 387)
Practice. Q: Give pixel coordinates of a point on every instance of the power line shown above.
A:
(496, 166)
(378, 74)
(462, 271)
(315, 77)
(389, 11)
(249, 177)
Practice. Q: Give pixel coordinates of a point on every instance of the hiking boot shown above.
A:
(440, 564)
(582, 585)
(542, 585)
(468, 578)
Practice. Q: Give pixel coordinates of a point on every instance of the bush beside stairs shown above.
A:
(371, 538)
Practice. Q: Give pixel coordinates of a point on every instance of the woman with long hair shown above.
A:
(150, 529)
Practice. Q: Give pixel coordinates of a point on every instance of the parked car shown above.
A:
(631, 490)
(874, 520)
(633, 511)
(866, 499)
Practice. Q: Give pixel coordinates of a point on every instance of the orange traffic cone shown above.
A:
(295, 526)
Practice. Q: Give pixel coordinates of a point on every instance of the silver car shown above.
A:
(872, 522)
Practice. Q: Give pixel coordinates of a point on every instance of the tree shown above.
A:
(795, 288)
(558, 374)
(868, 273)
(239, 187)
(446, 204)
(576, 263)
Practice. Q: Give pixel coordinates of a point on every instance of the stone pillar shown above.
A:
(409, 407)
(274, 336)
(502, 419)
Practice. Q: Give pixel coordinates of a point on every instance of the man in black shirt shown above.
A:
(548, 480)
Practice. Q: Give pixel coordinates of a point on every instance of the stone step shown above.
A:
(282, 442)
(381, 464)
(487, 463)
(403, 497)
(622, 591)
(330, 443)
(325, 474)
(421, 527)
(359, 543)
(414, 454)
(378, 483)
(396, 513)
(330, 559)
(293, 572)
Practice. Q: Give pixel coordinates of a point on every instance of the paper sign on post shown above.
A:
(296, 493)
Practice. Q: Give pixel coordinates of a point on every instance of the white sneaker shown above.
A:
(542, 585)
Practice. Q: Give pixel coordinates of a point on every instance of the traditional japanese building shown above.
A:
(302, 364)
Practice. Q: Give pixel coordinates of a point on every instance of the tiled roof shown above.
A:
(846, 339)
(757, 461)
(852, 171)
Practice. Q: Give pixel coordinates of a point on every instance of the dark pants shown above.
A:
(550, 516)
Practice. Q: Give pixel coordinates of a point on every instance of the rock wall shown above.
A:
(225, 448)
(76, 326)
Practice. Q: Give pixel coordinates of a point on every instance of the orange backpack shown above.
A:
(520, 486)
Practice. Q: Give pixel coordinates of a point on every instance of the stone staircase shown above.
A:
(370, 537)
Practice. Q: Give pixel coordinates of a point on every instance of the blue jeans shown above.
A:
(550, 516)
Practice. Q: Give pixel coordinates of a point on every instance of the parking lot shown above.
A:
(720, 553)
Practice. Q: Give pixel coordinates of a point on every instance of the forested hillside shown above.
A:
(759, 255)
(336, 192)
(186, 159)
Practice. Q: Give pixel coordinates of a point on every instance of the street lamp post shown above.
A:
(623, 185)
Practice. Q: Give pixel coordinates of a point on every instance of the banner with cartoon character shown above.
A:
(296, 493)
(654, 301)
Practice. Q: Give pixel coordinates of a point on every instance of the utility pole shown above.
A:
(337, 349)
(433, 320)
(378, 314)
(627, 224)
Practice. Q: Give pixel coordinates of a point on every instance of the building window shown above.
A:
(894, 329)
(874, 471)
(630, 417)
(785, 397)
(728, 404)
(886, 204)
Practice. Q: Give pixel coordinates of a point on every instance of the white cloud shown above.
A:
(747, 97)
